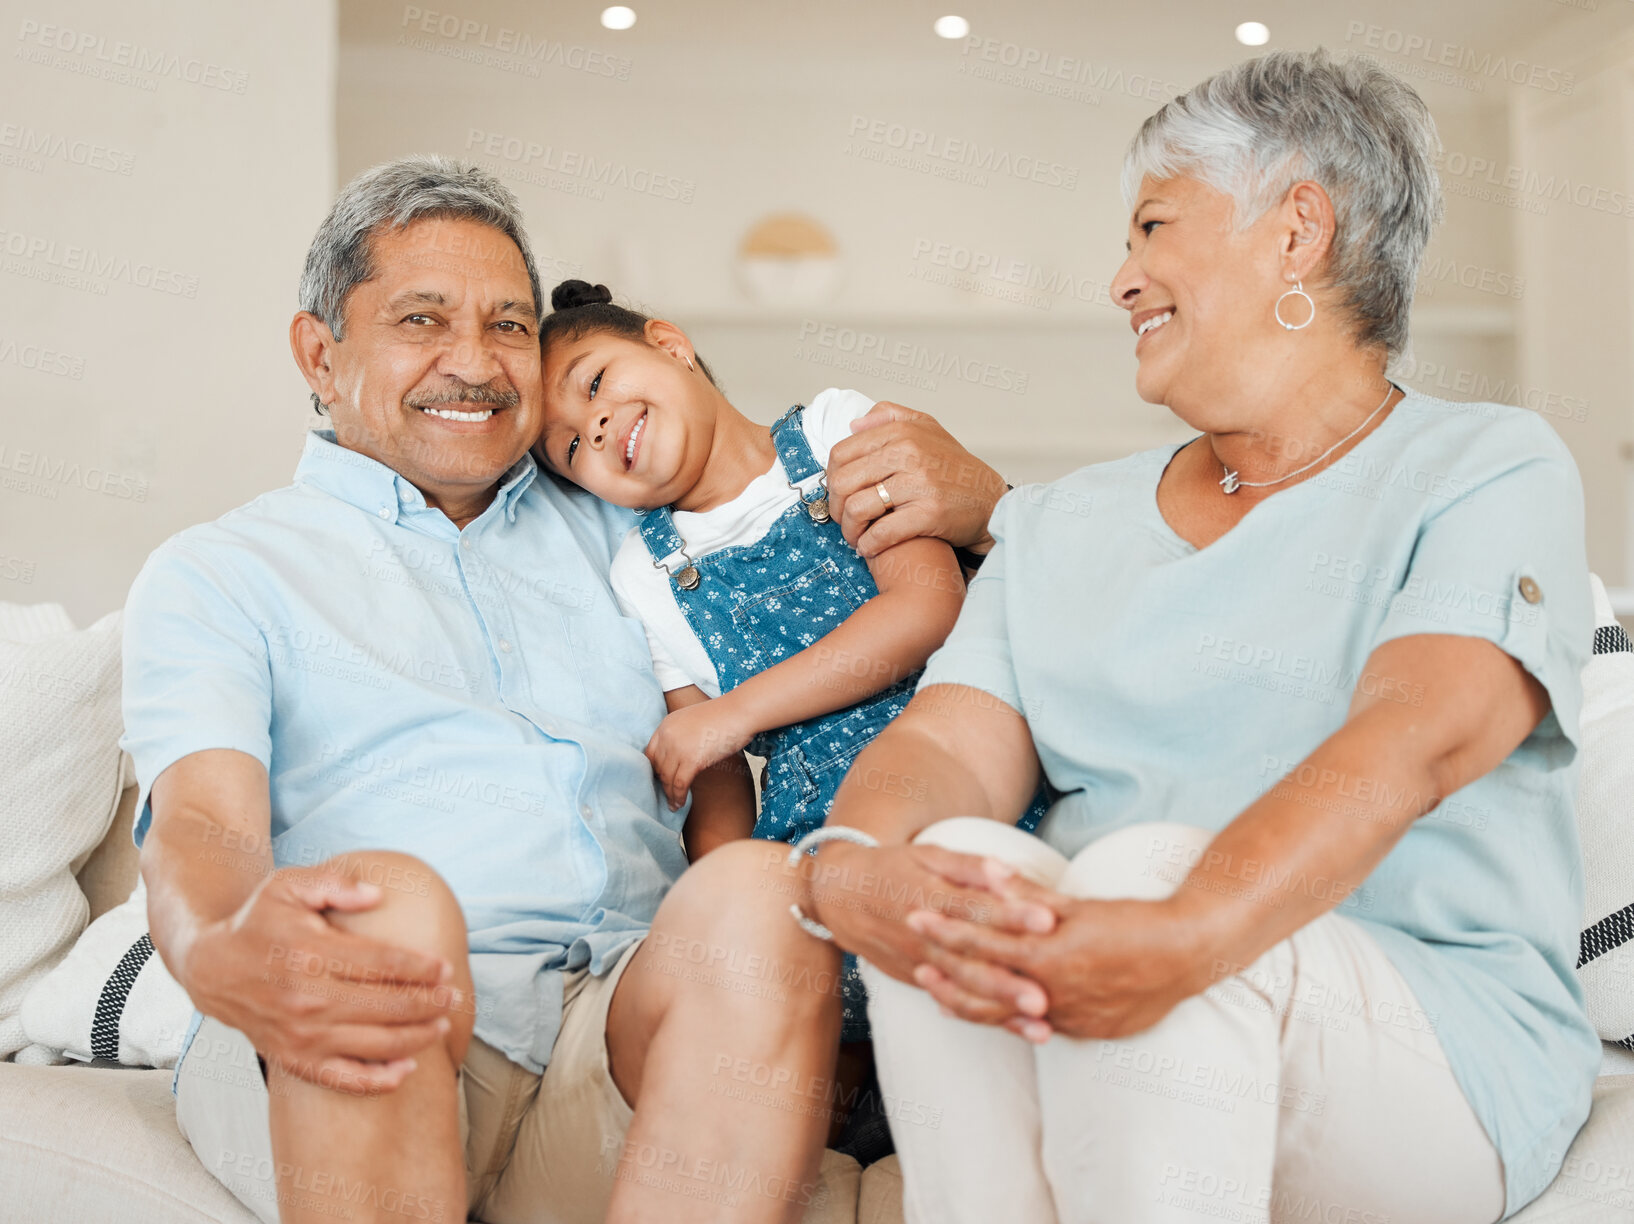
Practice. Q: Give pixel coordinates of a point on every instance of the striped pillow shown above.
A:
(1605, 823)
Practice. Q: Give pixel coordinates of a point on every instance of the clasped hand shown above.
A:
(1007, 951)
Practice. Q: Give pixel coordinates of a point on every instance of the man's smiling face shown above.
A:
(438, 376)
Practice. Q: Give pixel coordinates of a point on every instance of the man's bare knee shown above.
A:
(417, 909)
(734, 884)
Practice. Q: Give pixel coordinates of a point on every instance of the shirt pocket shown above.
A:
(615, 666)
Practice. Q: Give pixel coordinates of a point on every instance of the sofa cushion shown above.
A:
(59, 786)
(110, 873)
(92, 1144)
(1595, 1185)
(88, 1144)
(111, 997)
(1605, 825)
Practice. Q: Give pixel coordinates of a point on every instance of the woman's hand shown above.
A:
(864, 895)
(937, 487)
(1107, 968)
(692, 739)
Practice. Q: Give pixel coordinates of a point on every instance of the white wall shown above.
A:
(739, 110)
(1576, 354)
(747, 131)
(162, 168)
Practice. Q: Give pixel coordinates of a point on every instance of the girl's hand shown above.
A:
(1109, 968)
(693, 738)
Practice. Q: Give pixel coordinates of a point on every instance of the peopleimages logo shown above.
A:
(1460, 172)
(38, 38)
(94, 266)
(1460, 58)
(30, 142)
(920, 149)
(534, 161)
(507, 41)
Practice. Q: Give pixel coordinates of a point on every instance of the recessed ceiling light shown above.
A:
(618, 17)
(951, 26)
(1253, 34)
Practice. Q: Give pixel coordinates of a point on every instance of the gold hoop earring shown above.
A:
(1297, 291)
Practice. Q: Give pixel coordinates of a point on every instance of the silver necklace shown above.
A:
(1231, 484)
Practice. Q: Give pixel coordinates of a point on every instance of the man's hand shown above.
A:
(937, 487)
(693, 738)
(319, 1002)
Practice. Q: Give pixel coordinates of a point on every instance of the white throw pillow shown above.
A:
(1605, 824)
(112, 997)
(59, 786)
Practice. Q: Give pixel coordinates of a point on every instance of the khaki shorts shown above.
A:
(540, 1149)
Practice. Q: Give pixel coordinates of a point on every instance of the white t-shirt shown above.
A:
(643, 590)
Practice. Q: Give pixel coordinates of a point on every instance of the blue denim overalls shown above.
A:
(754, 605)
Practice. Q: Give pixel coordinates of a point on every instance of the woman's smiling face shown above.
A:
(623, 417)
(1199, 292)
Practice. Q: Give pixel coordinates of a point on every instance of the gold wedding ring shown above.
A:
(885, 496)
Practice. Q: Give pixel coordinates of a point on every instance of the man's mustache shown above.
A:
(497, 392)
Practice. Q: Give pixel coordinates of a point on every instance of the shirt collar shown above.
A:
(370, 485)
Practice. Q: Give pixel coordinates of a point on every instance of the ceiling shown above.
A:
(752, 44)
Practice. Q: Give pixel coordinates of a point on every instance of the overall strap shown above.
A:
(800, 465)
(659, 534)
(793, 448)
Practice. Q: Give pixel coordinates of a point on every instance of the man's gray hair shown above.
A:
(394, 195)
(1261, 126)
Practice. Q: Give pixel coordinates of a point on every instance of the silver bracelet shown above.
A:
(811, 841)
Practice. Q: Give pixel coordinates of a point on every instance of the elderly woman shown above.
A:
(1296, 942)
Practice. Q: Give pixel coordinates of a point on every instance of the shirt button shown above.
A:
(465, 541)
(385, 512)
(584, 810)
(1531, 592)
(505, 645)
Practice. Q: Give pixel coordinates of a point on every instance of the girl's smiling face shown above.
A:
(627, 420)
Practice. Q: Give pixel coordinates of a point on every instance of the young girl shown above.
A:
(767, 630)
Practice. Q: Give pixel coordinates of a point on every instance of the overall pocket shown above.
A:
(786, 619)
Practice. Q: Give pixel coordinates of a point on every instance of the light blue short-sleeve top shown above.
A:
(1164, 682)
(472, 697)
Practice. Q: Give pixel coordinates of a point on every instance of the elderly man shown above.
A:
(401, 843)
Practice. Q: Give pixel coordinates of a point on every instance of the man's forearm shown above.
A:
(207, 850)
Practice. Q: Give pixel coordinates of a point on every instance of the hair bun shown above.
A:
(573, 293)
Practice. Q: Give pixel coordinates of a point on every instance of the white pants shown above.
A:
(1308, 1087)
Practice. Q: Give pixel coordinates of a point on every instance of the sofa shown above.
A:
(84, 1143)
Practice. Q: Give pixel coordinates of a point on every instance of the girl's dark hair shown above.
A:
(579, 309)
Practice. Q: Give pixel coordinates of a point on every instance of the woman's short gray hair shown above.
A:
(398, 194)
(1261, 126)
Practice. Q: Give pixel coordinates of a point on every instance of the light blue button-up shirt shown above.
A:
(471, 697)
(1165, 682)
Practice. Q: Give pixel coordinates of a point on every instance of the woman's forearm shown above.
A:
(955, 751)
